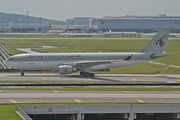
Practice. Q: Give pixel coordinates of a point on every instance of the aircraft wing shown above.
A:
(87, 63)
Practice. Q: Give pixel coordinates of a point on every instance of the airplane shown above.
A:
(58, 31)
(67, 63)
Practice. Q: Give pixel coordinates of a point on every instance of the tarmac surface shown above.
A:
(53, 96)
(32, 96)
(75, 77)
(84, 38)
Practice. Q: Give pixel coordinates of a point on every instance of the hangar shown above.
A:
(131, 23)
(121, 34)
(127, 23)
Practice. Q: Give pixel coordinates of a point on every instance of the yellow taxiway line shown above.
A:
(140, 101)
(177, 91)
(13, 101)
(126, 91)
(44, 78)
(77, 100)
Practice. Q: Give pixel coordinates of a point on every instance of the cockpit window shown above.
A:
(10, 59)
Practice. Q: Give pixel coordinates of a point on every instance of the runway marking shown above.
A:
(177, 91)
(56, 91)
(77, 100)
(178, 80)
(89, 78)
(13, 101)
(126, 91)
(133, 79)
(44, 78)
(140, 101)
(3, 73)
(1, 90)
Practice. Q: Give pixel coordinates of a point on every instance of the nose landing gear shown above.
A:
(22, 73)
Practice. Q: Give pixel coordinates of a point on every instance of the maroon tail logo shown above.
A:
(128, 58)
(160, 42)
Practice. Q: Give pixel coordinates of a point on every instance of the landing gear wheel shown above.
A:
(92, 74)
(86, 74)
(81, 73)
(22, 74)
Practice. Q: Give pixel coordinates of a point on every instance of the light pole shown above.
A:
(3, 22)
(34, 111)
(40, 24)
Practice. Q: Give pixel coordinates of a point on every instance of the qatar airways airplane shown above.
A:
(58, 31)
(67, 63)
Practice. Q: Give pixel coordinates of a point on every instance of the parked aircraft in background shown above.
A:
(67, 63)
(58, 31)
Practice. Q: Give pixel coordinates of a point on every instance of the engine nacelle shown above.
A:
(66, 69)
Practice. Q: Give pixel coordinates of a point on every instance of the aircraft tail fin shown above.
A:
(158, 42)
(66, 30)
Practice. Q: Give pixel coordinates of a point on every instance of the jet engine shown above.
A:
(66, 69)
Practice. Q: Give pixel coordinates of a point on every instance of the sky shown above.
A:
(68, 9)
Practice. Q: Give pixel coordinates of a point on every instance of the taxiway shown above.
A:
(19, 96)
(54, 96)
(168, 78)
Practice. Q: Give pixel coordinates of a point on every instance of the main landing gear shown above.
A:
(87, 74)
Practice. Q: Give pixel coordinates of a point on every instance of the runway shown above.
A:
(54, 96)
(18, 96)
(99, 78)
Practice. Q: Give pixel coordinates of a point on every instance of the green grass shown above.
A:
(171, 47)
(7, 112)
(92, 45)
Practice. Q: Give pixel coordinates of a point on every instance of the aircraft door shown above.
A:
(46, 59)
(20, 59)
(98, 57)
(135, 57)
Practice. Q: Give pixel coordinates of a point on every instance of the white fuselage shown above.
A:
(50, 61)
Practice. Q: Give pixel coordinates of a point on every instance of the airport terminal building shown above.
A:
(22, 25)
(128, 23)
(142, 24)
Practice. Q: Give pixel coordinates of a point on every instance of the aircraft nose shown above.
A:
(5, 62)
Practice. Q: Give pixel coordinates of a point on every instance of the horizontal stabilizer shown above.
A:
(154, 56)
